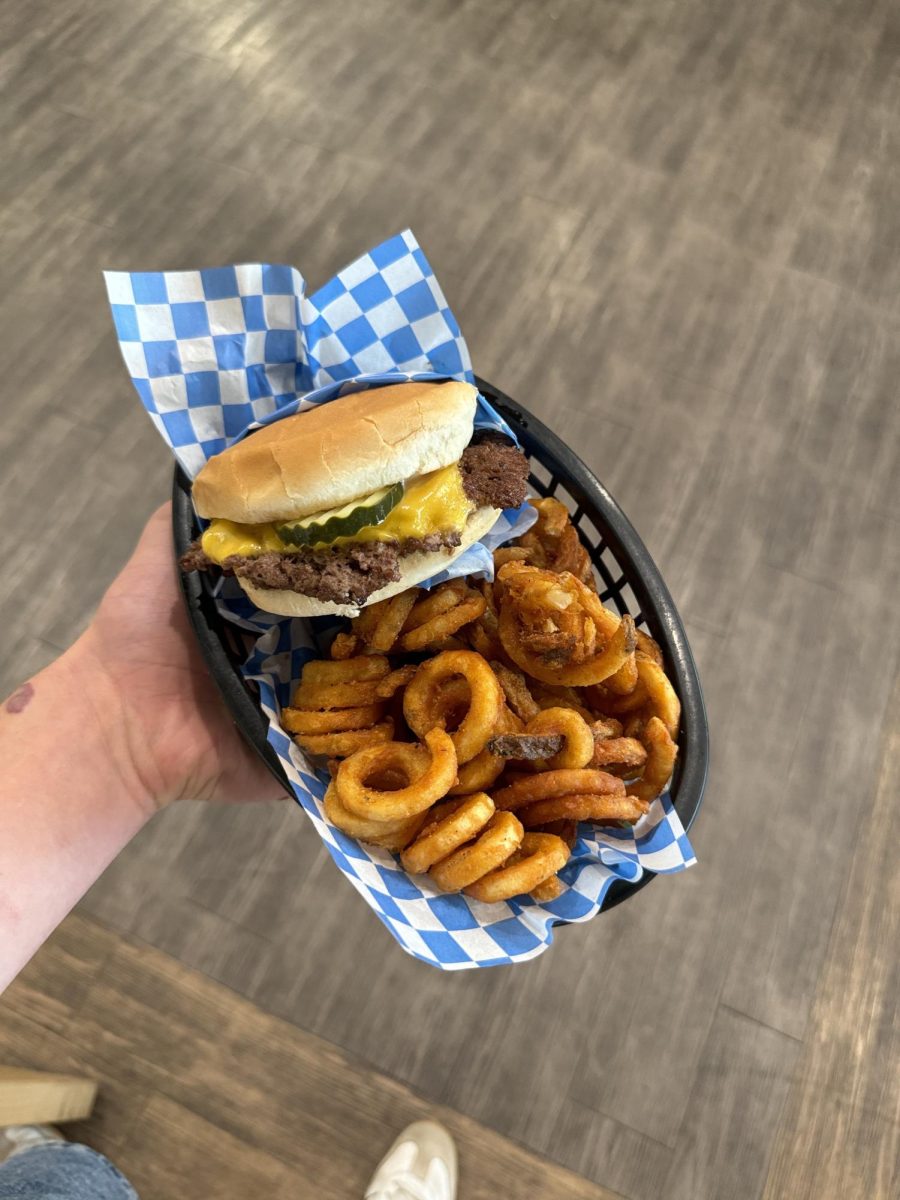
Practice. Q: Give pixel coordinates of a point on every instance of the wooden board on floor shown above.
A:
(43, 1098)
(203, 1093)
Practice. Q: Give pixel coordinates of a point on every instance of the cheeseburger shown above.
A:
(348, 503)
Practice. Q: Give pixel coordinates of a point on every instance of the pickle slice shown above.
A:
(324, 527)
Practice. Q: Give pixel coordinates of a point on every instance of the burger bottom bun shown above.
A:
(413, 569)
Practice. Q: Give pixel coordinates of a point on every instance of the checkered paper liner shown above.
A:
(215, 354)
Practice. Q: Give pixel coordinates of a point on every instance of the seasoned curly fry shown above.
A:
(624, 681)
(605, 810)
(543, 627)
(319, 670)
(647, 647)
(345, 645)
(299, 720)
(548, 785)
(660, 692)
(447, 610)
(449, 826)
(340, 744)
(518, 697)
(395, 682)
(618, 752)
(550, 889)
(486, 767)
(661, 753)
(500, 838)
(436, 602)
(578, 738)
(485, 703)
(553, 542)
(540, 856)
(430, 771)
(337, 695)
(539, 708)
(391, 622)
(391, 835)
(336, 707)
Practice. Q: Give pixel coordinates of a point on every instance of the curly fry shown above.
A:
(661, 694)
(457, 608)
(566, 782)
(540, 856)
(341, 743)
(340, 720)
(387, 687)
(337, 695)
(484, 706)
(429, 769)
(344, 645)
(648, 647)
(602, 809)
(501, 837)
(544, 624)
(448, 826)
(550, 889)
(320, 670)
(624, 681)
(391, 619)
(391, 835)
(618, 752)
(578, 745)
(661, 754)
(518, 697)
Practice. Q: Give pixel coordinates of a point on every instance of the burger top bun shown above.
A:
(338, 452)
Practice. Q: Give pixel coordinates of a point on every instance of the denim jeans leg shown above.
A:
(62, 1171)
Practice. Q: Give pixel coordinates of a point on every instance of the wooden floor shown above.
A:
(671, 227)
(199, 1088)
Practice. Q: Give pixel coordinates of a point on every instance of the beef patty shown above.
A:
(493, 475)
(493, 472)
(342, 575)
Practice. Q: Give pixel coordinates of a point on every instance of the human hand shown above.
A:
(173, 734)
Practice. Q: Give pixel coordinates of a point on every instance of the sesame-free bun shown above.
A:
(338, 452)
(413, 569)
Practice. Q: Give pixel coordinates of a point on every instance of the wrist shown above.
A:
(111, 736)
(72, 797)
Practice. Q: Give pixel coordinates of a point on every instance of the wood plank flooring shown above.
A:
(840, 1130)
(671, 229)
(199, 1085)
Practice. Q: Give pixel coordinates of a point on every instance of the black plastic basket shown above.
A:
(630, 580)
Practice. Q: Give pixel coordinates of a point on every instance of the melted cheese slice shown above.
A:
(433, 503)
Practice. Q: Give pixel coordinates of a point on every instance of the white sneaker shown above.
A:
(421, 1165)
(16, 1138)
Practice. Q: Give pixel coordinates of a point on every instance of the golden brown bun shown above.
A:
(413, 567)
(338, 452)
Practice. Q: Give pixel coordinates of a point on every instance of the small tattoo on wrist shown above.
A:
(20, 699)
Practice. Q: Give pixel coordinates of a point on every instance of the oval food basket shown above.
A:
(631, 583)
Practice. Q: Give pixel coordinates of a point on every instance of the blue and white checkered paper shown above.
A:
(215, 353)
